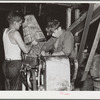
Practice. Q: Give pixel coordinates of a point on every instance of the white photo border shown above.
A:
(48, 94)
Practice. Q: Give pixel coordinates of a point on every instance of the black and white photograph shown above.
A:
(49, 46)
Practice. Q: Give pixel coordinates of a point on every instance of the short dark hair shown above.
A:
(52, 25)
(15, 16)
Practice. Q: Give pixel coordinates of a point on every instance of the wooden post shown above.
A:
(40, 8)
(77, 14)
(24, 9)
(94, 47)
(68, 19)
(85, 32)
(78, 25)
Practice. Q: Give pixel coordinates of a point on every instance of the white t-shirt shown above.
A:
(12, 51)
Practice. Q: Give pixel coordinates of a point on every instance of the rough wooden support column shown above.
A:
(24, 10)
(85, 32)
(40, 8)
(68, 19)
(93, 49)
(78, 25)
(77, 14)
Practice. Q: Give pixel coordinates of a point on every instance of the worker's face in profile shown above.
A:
(56, 33)
(18, 24)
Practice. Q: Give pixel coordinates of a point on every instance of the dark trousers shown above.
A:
(13, 77)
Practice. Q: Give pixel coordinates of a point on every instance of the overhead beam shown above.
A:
(77, 15)
(85, 32)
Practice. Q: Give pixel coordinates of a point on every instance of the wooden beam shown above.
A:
(85, 32)
(95, 17)
(78, 25)
(77, 13)
(40, 9)
(77, 22)
(93, 49)
(68, 18)
(24, 10)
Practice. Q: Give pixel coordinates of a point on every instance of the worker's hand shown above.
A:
(43, 53)
(34, 42)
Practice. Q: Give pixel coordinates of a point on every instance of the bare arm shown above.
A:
(58, 53)
(21, 43)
